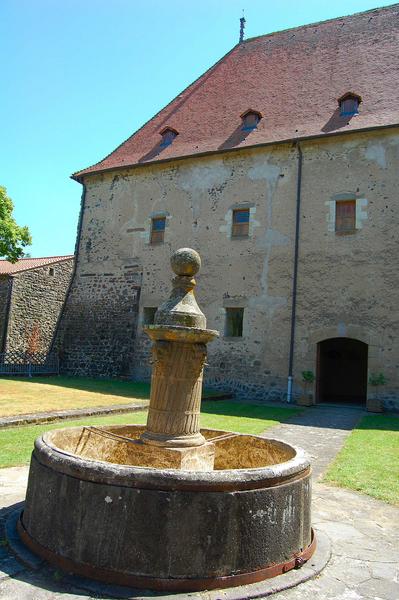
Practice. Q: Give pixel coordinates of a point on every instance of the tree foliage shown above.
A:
(13, 238)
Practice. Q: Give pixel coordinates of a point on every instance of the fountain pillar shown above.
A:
(179, 353)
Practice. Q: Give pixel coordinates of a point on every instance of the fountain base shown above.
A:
(90, 512)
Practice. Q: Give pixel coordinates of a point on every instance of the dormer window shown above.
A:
(250, 120)
(349, 105)
(168, 135)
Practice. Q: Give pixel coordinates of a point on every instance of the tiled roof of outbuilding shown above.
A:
(294, 78)
(25, 264)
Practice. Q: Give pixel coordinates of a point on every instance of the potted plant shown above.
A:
(306, 399)
(375, 404)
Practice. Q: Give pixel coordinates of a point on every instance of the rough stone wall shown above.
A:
(36, 302)
(5, 283)
(344, 280)
(98, 325)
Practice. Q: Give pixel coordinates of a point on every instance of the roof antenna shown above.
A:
(242, 27)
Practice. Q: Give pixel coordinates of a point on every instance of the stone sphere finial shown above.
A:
(185, 262)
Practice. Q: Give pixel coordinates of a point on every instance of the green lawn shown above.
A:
(369, 461)
(16, 443)
(20, 395)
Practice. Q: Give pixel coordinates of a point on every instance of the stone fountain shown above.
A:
(169, 506)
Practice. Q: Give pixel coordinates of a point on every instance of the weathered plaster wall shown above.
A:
(344, 280)
(36, 302)
(199, 199)
(348, 283)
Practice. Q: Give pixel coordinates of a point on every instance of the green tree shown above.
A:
(13, 238)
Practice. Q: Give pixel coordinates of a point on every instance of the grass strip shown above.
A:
(368, 462)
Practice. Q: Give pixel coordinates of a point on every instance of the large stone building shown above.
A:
(280, 166)
(32, 293)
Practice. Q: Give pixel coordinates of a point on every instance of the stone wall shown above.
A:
(97, 329)
(345, 281)
(36, 302)
(5, 283)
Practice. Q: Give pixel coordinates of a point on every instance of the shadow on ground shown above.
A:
(249, 411)
(113, 387)
(323, 416)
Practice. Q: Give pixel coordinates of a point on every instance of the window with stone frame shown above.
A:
(240, 225)
(51, 271)
(345, 216)
(157, 230)
(234, 322)
(149, 315)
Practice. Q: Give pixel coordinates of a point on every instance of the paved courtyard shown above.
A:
(364, 532)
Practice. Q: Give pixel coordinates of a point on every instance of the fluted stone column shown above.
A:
(179, 353)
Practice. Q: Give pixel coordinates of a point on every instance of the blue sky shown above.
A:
(79, 76)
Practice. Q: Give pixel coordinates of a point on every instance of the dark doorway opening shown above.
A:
(342, 371)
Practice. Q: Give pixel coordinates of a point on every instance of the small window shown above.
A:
(168, 135)
(240, 222)
(51, 271)
(158, 230)
(349, 105)
(149, 315)
(250, 120)
(345, 215)
(234, 320)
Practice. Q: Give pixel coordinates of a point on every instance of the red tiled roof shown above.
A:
(294, 78)
(24, 264)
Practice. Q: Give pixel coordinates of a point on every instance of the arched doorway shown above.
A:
(342, 371)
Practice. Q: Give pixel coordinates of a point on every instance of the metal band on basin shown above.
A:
(162, 584)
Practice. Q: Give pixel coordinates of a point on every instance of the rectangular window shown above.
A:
(149, 315)
(51, 271)
(345, 215)
(158, 230)
(240, 222)
(234, 320)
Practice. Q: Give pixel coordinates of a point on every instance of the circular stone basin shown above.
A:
(92, 510)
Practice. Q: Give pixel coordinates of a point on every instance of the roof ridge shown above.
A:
(306, 25)
(39, 257)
